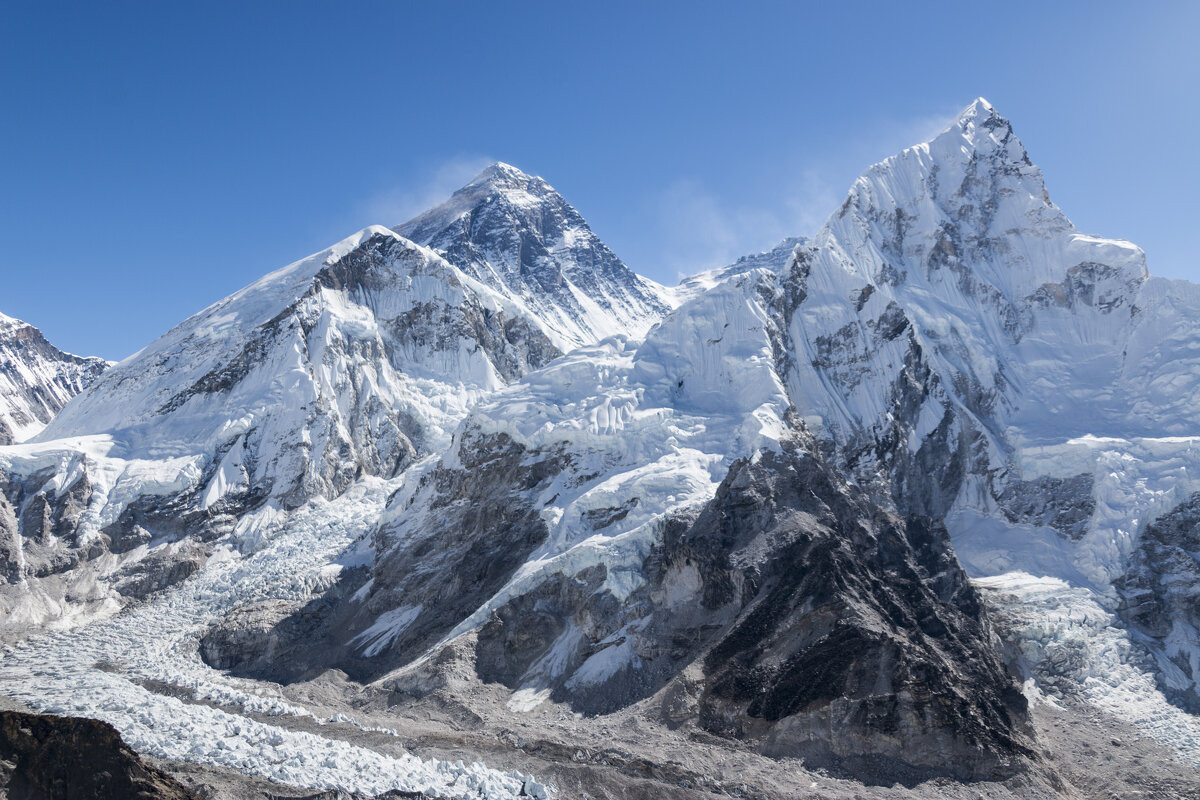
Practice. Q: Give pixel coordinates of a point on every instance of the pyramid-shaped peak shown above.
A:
(502, 176)
(979, 127)
(499, 182)
(981, 108)
(501, 171)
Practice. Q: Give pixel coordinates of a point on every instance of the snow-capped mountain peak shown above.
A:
(517, 235)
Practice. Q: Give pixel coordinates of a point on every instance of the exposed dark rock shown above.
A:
(277, 640)
(514, 232)
(482, 526)
(1160, 598)
(858, 641)
(44, 757)
(1064, 504)
(1088, 284)
(40, 536)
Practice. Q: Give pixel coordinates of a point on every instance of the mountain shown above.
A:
(36, 379)
(906, 509)
(999, 369)
(631, 522)
(513, 232)
(356, 361)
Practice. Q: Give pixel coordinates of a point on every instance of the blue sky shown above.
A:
(159, 155)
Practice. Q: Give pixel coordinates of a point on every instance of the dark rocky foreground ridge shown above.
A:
(44, 757)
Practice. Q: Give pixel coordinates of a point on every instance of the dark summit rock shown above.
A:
(515, 233)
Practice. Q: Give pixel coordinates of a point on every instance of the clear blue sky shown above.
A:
(159, 155)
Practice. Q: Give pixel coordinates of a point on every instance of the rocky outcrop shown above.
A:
(794, 614)
(1064, 504)
(858, 642)
(481, 528)
(44, 757)
(44, 531)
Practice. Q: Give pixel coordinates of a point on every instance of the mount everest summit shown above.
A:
(903, 507)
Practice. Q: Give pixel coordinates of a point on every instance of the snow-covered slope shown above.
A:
(778, 259)
(355, 361)
(36, 379)
(1025, 320)
(350, 361)
(516, 234)
(965, 348)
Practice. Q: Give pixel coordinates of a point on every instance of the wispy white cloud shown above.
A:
(398, 204)
(698, 229)
(892, 136)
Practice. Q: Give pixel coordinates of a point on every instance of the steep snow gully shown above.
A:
(873, 501)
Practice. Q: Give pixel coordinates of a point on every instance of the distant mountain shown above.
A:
(36, 379)
(778, 259)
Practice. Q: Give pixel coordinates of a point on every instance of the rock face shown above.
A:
(36, 379)
(791, 614)
(858, 642)
(1160, 599)
(44, 757)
